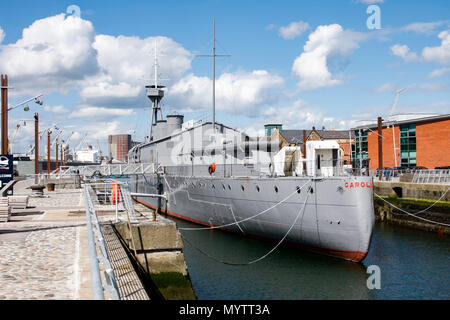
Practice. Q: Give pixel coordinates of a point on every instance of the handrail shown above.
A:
(94, 231)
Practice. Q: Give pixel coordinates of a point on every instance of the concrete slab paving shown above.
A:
(44, 249)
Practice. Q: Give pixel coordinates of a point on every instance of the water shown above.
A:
(414, 265)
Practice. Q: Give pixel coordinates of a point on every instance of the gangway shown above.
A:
(117, 169)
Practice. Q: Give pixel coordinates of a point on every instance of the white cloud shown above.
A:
(293, 30)
(127, 63)
(424, 27)
(103, 90)
(2, 35)
(386, 87)
(56, 109)
(99, 113)
(441, 54)
(52, 55)
(102, 129)
(439, 73)
(325, 43)
(403, 52)
(430, 87)
(389, 87)
(298, 115)
(240, 92)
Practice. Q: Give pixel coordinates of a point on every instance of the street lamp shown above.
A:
(4, 110)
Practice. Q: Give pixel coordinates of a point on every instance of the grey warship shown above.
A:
(220, 177)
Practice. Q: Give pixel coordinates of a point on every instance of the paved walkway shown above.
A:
(43, 249)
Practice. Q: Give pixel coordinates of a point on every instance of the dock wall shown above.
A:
(416, 199)
(158, 247)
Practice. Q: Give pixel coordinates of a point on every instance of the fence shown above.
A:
(104, 194)
(436, 176)
(245, 168)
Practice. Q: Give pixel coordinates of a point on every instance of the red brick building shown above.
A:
(118, 146)
(408, 141)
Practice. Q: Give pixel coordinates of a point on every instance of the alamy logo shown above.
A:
(74, 10)
(374, 21)
(374, 280)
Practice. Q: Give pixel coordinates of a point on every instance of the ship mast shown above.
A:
(155, 94)
(213, 55)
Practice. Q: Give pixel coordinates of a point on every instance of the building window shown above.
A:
(360, 143)
(408, 150)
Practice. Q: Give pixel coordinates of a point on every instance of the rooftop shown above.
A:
(398, 119)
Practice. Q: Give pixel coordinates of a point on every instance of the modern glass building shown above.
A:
(413, 140)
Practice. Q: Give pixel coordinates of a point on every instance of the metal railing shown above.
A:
(115, 169)
(103, 193)
(433, 176)
(324, 168)
(67, 176)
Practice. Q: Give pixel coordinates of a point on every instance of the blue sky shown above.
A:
(301, 63)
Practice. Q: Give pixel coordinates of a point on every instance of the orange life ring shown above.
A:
(115, 198)
(212, 168)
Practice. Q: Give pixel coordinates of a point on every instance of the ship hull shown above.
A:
(332, 216)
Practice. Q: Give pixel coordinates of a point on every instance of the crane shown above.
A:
(395, 100)
(40, 138)
(14, 135)
(79, 145)
(66, 141)
(81, 141)
(99, 150)
(56, 138)
(393, 130)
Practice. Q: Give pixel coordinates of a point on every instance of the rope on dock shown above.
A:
(415, 214)
(265, 255)
(249, 218)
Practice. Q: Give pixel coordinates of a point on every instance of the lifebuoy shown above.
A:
(115, 193)
(212, 168)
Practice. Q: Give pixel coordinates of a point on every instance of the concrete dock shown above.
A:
(44, 251)
(43, 248)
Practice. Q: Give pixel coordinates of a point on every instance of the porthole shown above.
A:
(229, 187)
(223, 186)
(213, 186)
(276, 189)
(257, 188)
(242, 187)
(311, 189)
(298, 189)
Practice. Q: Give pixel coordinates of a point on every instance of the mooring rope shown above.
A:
(415, 214)
(263, 256)
(249, 218)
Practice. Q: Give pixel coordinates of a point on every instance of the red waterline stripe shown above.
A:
(355, 256)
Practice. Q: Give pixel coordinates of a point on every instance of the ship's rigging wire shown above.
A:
(249, 218)
(302, 210)
(415, 214)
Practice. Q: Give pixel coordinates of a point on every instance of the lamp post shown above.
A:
(4, 110)
(49, 132)
(36, 145)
